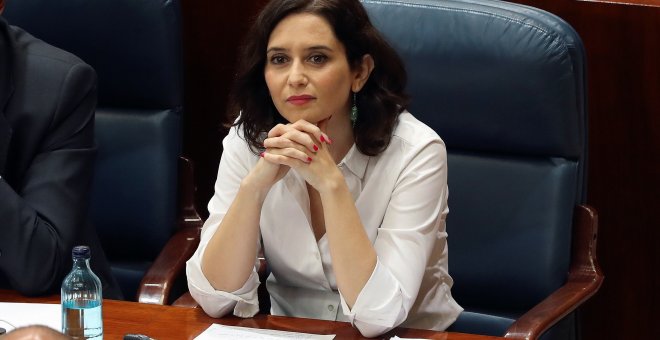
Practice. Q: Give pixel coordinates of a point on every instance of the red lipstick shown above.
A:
(300, 100)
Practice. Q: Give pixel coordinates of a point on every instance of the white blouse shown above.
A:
(401, 196)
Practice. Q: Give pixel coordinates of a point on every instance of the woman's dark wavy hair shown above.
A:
(379, 102)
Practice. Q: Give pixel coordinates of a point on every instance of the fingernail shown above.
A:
(316, 148)
(309, 159)
(329, 140)
(322, 139)
(261, 154)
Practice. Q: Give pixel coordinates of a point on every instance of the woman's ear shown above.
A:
(362, 73)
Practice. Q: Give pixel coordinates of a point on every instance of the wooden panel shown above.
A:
(623, 53)
(212, 32)
(631, 2)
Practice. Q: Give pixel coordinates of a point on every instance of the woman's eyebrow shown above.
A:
(275, 49)
(319, 47)
(311, 48)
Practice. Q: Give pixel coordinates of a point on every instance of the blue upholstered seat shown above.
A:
(504, 86)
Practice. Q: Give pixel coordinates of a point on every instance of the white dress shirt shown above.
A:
(401, 196)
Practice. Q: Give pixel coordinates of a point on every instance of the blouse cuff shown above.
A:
(378, 304)
(216, 303)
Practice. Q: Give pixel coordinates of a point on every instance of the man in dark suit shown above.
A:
(47, 151)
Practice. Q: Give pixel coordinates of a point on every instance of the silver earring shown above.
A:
(354, 110)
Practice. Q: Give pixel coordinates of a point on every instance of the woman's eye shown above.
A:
(318, 59)
(277, 59)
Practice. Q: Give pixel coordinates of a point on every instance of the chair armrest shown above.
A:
(584, 280)
(157, 283)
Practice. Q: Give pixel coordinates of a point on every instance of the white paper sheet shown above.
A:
(13, 315)
(216, 331)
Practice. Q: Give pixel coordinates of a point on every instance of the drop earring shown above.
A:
(354, 110)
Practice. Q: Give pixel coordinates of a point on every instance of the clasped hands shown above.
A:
(301, 146)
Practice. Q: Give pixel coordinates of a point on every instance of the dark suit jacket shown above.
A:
(47, 151)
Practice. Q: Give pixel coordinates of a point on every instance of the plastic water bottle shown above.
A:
(82, 299)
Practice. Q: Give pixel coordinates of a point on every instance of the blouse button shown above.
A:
(331, 308)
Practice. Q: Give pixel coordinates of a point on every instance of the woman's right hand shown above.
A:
(264, 175)
(295, 142)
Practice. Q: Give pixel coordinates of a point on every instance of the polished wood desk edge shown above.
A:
(122, 317)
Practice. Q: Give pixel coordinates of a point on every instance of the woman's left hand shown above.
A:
(285, 142)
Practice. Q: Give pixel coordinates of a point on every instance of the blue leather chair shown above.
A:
(137, 206)
(504, 85)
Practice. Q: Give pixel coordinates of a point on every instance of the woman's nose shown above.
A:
(297, 76)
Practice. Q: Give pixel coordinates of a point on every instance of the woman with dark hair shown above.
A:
(324, 170)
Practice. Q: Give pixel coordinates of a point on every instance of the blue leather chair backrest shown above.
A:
(504, 86)
(135, 48)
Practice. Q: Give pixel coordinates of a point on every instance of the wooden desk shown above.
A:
(167, 322)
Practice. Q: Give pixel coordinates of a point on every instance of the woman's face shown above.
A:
(307, 73)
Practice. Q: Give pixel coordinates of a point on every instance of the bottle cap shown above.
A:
(81, 252)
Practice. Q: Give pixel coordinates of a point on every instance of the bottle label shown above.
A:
(82, 320)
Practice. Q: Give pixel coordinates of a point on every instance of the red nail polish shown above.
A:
(322, 139)
(316, 148)
(309, 159)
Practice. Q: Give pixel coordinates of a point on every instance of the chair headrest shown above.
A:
(478, 72)
(134, 46)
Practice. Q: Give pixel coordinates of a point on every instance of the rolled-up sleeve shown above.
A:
(216, 303)
(378, 307)
(234, 165)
